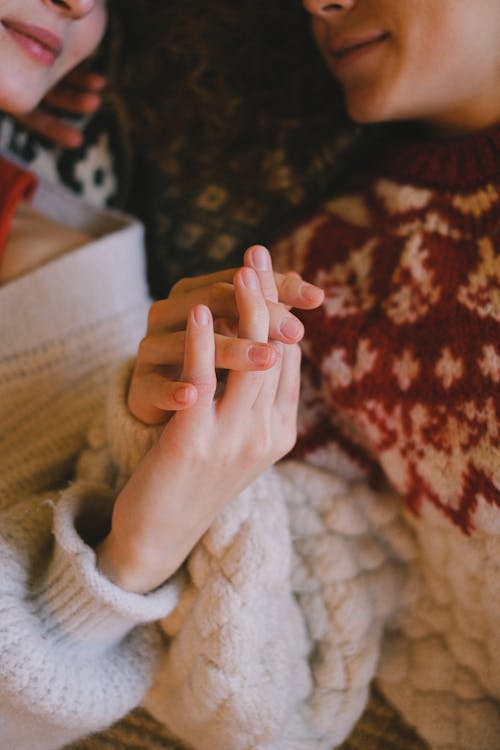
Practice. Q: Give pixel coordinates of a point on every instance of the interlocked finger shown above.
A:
(230, 353)
(199, 356)
(242, 388)
(171, 314)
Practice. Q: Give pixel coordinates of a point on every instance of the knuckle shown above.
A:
(205, 385)
(143, 349)
(228, 352)
(286, 444)
(258, 449)
(288, 287)
(154, 314)
(218, 291)
(180, 287)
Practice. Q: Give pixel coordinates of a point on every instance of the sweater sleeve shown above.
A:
(278, 638)
(76, 651)
(117, 440)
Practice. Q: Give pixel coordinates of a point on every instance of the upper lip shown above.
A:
(342, 45)
(39, 34)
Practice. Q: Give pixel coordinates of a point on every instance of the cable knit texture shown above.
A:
(278, 638)
(76, 652)
(402, 372)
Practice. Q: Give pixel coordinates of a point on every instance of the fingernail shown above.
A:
(201, 315)
(250, 279)
(181, 395)
(308, 292)
(259, 354)
(260, 258)
(291, 329)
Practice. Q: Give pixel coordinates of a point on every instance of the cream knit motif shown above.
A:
(76, 652)
(277, 639)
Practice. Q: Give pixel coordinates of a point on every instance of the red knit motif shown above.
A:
(403, 359)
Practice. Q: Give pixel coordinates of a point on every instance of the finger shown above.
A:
(258, 258)
(287, 393)
(242, 388)
(289, 288)
(283, 409)
(52, 128)
(154, 396)
(86, 80)
(252, 308)
(171, 314)
(230, 353)
(199, 355)
(295, 292)
(264, 401)
(73, 100)
(292, 289)
(189, 284)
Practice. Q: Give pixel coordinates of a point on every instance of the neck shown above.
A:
(465, 119)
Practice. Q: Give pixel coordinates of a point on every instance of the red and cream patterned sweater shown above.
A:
(404, 355)
(402, 379)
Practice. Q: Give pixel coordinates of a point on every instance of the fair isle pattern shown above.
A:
(405, 351)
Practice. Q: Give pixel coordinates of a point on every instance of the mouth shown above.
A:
(347, 47)
(39, 43)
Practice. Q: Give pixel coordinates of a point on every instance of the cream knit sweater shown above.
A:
(76, 652)
(277, 635)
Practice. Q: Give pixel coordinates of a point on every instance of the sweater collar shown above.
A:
(410, 155)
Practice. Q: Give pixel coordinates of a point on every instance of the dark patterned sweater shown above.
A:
(403, 359)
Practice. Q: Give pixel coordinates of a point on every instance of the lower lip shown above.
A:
(357, 54)
(34, 49)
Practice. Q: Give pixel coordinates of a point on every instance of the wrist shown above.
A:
(134, 569)
(122, 566)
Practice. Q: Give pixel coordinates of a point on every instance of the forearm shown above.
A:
(76, 651)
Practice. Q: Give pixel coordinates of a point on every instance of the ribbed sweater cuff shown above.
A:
(78, 599)
(128, 438)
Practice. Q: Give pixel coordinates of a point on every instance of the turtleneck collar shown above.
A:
(409, 154)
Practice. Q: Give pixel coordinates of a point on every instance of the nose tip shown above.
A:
(74, 8)
(321, 7)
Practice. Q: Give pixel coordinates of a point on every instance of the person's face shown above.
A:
(436, 61)
(40, 41)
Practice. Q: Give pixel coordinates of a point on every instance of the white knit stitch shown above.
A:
(76, 652)
(280, 634)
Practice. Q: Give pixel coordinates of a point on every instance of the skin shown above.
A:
(157, 389)
(24, 81)
(210, 445)
(160, 513)
(80, 93)
(439, 63)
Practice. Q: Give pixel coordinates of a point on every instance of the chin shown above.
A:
(368, 106)
(17, 100)
(364, 112)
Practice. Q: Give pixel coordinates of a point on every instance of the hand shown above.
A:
(80, 92)
(156, 388)
(206, 454)
(216, 291)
